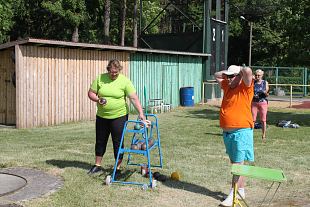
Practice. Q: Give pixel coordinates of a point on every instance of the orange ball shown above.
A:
(175, 176)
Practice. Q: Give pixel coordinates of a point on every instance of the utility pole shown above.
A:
(251, 37)
(250, 49)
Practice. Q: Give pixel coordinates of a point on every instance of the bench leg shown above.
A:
(236, 201)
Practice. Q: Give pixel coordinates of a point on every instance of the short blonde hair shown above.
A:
(259, 71)
(114, 63)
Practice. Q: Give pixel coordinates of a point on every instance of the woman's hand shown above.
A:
(142, 117)
(102, 101)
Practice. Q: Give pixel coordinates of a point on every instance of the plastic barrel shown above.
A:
(187, 96)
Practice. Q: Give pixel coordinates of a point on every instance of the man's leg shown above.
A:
(240, 180)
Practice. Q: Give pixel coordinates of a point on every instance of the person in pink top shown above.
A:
(260, 102)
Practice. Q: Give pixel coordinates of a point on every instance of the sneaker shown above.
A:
(117, 172)
(229, 200)
(94, 169)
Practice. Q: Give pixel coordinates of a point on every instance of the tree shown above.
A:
(295, 21)
(32, 20)
(106, 23)
(266, 36)
(6, 19)
(72, 11)
(122, 22)
(135, 24)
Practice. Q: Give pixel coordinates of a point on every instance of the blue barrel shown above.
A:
(187, 96)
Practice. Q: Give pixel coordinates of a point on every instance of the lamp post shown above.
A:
(250, 45)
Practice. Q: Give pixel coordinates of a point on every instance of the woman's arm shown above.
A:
(136, 102)
(92, 95)
(267, 89)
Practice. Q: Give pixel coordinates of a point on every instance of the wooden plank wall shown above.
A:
(7, 89)
(53, 83)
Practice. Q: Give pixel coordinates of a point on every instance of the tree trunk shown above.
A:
(75, 35)
(135, 25)
(106, 24)
(122, 22)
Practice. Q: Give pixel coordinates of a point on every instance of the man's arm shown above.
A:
(247, 75)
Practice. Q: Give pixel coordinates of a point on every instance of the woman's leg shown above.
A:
(254, 111)
(263, 108)
(102, 136)
(117, 127)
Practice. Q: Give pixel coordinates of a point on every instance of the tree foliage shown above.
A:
(73, 12)
(280, 27)
(280, 30)
(6, 19)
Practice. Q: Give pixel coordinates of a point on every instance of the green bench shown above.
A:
(273, 175)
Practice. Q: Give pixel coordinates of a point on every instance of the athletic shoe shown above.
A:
(229, 200)
(94, 169)
(117, 172)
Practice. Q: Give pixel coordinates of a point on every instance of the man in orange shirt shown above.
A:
(236, 119)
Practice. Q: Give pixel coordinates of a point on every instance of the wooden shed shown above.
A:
(45, 82)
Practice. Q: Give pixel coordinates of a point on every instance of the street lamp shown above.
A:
(250, 47)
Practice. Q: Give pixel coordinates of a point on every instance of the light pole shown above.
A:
(250, 46)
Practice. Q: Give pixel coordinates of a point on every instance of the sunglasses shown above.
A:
(231, 76)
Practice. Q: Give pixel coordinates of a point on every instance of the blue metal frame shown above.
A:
(147, 133)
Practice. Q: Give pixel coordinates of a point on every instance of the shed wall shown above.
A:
(52, 83)
(7, 89)
(164, 75)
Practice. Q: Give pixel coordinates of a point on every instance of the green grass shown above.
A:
(191, 143)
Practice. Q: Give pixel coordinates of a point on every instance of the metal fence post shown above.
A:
(203, 93)
(277, 75)
(291, 95)
(305, 81)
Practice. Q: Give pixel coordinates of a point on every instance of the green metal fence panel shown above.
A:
(163, 75)
(286, 75)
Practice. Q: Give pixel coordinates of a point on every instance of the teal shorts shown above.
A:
(239, 145)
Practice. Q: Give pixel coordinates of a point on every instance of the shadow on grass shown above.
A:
(215, 134)
(69, 163)
(202, 114)
(123, 175)
(195, 189)
(300, 119)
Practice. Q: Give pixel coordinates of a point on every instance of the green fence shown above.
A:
(287, 75)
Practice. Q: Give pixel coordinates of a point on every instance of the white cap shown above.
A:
(233, 69)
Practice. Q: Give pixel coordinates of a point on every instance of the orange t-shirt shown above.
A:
(236, 106)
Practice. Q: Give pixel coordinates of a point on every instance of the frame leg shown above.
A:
(235, 199)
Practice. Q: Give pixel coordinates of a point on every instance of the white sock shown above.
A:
(241, 192)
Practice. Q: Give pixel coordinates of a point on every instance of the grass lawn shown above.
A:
(191, 143)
